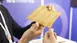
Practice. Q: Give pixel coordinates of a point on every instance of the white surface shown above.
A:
(63, 40)
(59, 39)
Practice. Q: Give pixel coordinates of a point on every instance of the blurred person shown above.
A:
(9, 28)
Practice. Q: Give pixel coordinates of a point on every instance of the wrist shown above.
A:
(23, 41)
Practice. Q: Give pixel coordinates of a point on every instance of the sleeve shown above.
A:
(3, 38)
(17, 30)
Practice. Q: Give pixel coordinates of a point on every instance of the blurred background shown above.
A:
(65, 26)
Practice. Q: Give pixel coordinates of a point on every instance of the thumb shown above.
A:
(35, 26)
(46, 36)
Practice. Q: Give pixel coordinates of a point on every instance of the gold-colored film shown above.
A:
(44, 16)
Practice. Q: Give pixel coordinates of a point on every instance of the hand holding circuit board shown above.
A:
(45, 15)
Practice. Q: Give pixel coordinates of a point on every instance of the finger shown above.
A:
(51, 33)
(49, 7)
(55, 35)
(51, 29)
(40, 27)
(46, 36)
(39, 31)
(35, 26)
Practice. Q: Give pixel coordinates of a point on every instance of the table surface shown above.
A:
(59, 39)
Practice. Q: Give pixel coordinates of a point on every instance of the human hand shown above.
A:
(35, 30)
(50, 7)
(50, 37)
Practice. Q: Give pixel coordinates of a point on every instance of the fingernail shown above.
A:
(37, 23)
(52, 29)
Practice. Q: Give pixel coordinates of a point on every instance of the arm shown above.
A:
(3, 38)
(18, 30)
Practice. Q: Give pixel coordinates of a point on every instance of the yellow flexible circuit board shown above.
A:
(44, 16)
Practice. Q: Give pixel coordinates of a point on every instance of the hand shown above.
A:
(35, 30)
(50, 7)
(50, 37)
